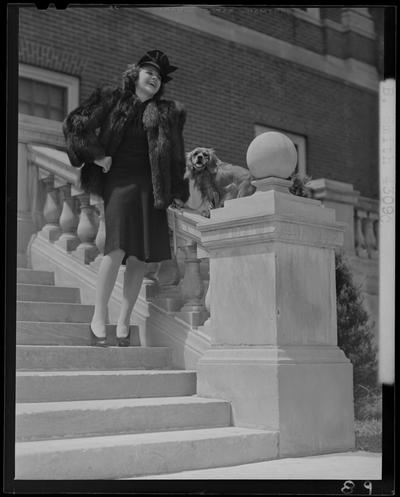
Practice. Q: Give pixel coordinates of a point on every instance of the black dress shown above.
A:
(132, 223)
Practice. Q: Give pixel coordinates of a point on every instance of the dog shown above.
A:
(217, 181)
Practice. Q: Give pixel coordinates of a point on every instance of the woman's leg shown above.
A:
(133, 279)
(106, 278)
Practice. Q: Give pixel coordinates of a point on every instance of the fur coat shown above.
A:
(95, 129)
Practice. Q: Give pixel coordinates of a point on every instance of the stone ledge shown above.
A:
(275, 355)
(270, 228)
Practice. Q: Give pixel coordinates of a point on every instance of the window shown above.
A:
(299, 142)
(46, 94)
(42, 99)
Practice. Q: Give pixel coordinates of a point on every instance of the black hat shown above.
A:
(159, 60)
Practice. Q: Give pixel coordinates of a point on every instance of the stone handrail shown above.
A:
(360, 213)
(74, 221)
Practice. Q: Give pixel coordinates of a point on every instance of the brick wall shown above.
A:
(331, 13)
(285, 26)
(226, 88)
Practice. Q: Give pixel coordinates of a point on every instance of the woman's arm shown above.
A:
(80, 126)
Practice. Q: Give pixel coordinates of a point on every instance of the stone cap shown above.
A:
(335, 191)
(54, 161)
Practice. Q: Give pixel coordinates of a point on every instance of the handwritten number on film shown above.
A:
(368, 486)
(348, 487)
(387, 201)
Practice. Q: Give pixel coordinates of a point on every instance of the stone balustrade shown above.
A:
(361, 215)
(366, 228)
(73, 220)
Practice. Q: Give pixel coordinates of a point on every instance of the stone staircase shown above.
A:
(91, 413)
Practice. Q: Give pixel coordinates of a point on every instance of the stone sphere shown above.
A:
(271, 154)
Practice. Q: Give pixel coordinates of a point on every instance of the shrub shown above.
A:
(355, 336)
(299, 185)
(369, 435)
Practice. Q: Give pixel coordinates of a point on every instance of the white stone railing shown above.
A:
(366, 228)
(73, 220)
(361, 214)
(63, 213)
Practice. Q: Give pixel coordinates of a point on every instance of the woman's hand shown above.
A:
(105, 163)
(177, 202)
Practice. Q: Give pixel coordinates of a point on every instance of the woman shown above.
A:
(129, 143)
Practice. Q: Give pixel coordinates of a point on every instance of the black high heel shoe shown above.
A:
(96, 341)
(124, 341)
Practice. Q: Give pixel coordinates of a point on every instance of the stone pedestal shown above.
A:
(343, 198)
(274, 351)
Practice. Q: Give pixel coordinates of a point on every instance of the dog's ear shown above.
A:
(214, 161)
(189, 156)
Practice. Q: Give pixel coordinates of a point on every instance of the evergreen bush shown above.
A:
(355, 336)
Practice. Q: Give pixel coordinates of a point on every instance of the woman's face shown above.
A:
(148, 82)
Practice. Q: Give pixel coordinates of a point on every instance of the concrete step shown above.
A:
(47, 293)
(77, 357)
(42, 333)
(357, 465)
(128, 455)
(54, 311)
(34, 277)
(46, 420)
(55, 386)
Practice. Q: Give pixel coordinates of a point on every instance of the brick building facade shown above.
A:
(312, 73)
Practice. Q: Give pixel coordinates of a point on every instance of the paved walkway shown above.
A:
(344, 466)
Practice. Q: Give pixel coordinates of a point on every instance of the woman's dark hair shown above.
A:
(131, 75)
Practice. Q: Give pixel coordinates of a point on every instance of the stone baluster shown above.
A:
(150, 287)
(51, 210)
(101, 232)
(370, 235)
(68, 220)
(100, 239)
(37, 195)
(87, 231)
(26, 225)
(208, 298)
(375, 224)
(168, 273)
(360, 243)
(207, 325)
(194, 310)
